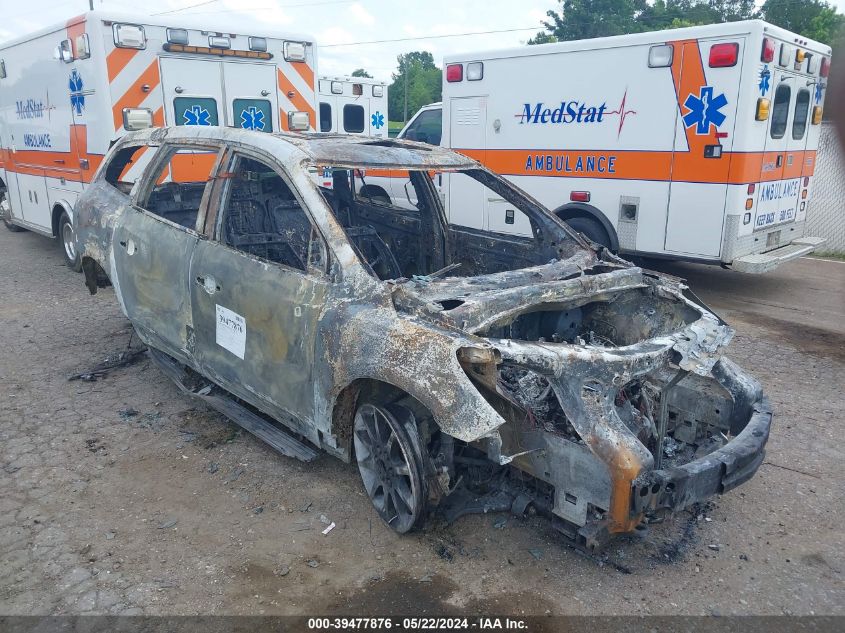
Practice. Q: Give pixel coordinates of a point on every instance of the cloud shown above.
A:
(361, 15)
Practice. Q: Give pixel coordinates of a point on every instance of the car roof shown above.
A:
(335, 150)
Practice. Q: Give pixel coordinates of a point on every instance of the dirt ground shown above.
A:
(123, 496)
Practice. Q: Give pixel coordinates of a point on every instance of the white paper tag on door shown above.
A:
(231, 331)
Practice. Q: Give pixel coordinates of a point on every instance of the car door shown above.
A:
(258, 287)
(153, 243)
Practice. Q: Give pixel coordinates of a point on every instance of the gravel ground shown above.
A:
(123, 496)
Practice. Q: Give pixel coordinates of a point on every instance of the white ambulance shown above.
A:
(67, 92)
(696, 144)
(352, 105)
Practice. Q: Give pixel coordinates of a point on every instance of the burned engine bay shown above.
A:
(620, 406)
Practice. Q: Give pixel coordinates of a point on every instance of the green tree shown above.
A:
(423, 79)
(815, 19)
(579, 19)
(360, 72)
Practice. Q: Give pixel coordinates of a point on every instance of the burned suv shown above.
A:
(470, 368)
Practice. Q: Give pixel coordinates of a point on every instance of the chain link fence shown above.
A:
(826, 215)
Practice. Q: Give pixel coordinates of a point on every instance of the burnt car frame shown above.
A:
(459, 367)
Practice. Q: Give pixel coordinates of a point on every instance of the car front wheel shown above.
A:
(68, 241)
(390, 463)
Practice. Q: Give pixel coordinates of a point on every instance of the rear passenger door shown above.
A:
(153, 243)
(257, 288)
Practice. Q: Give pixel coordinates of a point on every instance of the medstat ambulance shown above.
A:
(69, 91)
(691, 144)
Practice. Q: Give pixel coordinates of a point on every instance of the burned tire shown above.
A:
(67, 240)
(391, 465)
(592, 229)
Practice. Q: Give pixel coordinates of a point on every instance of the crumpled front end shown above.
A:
(620, 404)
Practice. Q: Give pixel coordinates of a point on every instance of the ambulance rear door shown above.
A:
(251, 96)
(193, 91)
(786, 139)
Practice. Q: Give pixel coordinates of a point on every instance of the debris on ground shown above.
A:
(312, 563)
(536, 553)
(330, 527)
(123, 358)
(169, 523)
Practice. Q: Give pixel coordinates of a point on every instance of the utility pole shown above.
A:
(90, 5)
(405, 110)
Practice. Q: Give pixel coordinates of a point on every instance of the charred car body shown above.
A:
(459, 367)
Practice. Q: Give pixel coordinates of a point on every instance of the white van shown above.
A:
(352, 105)
(68, 92)
(696, 144)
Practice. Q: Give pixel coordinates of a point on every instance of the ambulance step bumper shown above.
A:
(764, 262)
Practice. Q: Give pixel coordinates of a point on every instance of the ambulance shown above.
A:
(689, 144)
(352, 105)
(68, 92)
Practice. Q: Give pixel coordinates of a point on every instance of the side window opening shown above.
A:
(802, 111)
(325, 117)
(195, 111)
(127, 165)
(263, 217)
(780, 111)
(353, 118)
(428, 127)
(180, 184)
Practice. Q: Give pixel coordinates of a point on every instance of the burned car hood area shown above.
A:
(496, 362)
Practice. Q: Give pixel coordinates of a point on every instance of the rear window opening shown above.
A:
(780, 111)
(325, 117)
(802, 111)
(353, 118)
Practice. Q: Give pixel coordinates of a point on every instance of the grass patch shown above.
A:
(829, 255)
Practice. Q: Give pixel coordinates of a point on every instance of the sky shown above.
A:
(332, 23)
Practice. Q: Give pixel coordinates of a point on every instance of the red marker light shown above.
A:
(768, 54)
(806, 181)
(724, 55)
(751, 188)
(579, 196)
(454, 72)
(825, 69)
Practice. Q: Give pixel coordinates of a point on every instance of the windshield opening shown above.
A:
(405, 223)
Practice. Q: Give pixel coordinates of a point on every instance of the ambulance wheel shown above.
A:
(5, 211)
(591, 229)
(67, 238)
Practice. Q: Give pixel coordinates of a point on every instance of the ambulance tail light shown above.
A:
(258, 44)
(800, 56)
(806, 181)
(660, 56)
(817, 115)
(129, 36)
(454, 73)
(475, 71)
(378, 91)
(137, 118)
(337, 88)
(763, 105)
(751, 188)
(724, 55)
(768, 53)
(219, 41)
(825, 69)
(579, 196)
(294, 51)
(177, 36)
(298, 121)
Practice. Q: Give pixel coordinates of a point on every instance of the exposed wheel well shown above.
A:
(56, 214)
(373, 191)
(580, 210)
(346, 403)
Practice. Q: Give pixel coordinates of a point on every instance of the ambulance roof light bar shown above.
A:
(824, 71)
(724, 55)
(129, 36)
(220, 52)
(454, 73)
(294, 51)
(768, 53)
